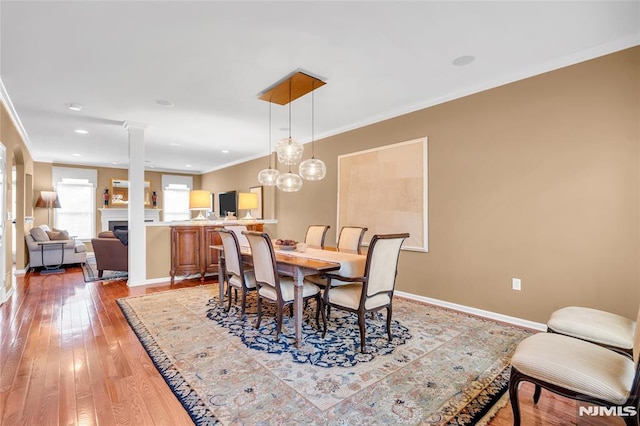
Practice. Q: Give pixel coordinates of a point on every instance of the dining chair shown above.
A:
(374, 290)
(603, 328)
(273, 288)
(237, 275)
(350, 238)
(579, 370)
(238, 229)
(316, 234)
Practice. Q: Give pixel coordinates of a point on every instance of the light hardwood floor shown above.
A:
(69, 357)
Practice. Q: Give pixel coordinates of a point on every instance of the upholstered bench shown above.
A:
(575, 369)
(603, 328)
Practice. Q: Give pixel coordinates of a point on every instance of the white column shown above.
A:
(137, 229)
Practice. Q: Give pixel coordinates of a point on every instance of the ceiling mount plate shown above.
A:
(290, 88)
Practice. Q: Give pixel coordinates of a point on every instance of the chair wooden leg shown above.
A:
(229, 297)
(324, 321)
(244, 302)
(536, 393)
(631, 420)
(389, 311)
(513, 396)
(361, 324)
(259, 312)
(318, 308)
(279, 321)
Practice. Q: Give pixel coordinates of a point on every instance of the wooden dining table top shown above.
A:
(290, 258)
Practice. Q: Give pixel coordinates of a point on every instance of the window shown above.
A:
(176, 202)
(76, 190)
(175, 197)
(77, 208)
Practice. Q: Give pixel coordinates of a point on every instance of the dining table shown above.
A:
(299, 264)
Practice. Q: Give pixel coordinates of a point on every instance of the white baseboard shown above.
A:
(474, 311)
(155, 281)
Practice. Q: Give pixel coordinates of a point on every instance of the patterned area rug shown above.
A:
(90, 272)
(442, 367)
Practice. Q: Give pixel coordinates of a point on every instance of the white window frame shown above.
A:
(67, 176)
(176, 183)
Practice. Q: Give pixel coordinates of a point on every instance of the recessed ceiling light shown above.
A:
(114, 162)
(76, 155)
(463, 60)
(152, 166)
(74, 107)
(81, 131)
(164, 103)
(188, 165)
(225, 151)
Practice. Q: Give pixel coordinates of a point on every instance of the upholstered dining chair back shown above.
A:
(382, 266)
(238, 230)
(264, 260)
(316, 235)
(350, 238)
(232, 254)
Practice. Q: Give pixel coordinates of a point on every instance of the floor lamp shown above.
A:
(48, 200)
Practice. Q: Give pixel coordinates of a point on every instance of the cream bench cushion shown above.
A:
(601, 327)
(576, 365)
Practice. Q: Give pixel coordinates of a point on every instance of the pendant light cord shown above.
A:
(313, 115)
(269, 154)
(290, 109)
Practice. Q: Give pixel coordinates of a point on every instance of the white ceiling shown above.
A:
(211, 59)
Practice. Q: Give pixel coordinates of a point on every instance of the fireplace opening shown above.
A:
(118, 224)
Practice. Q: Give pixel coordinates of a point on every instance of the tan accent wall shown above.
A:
(158, 252)
(18, 156)
(538, 179)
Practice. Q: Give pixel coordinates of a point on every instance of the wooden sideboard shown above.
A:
(191, 252)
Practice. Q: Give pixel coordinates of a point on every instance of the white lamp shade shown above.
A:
(268, 177)
(313, 169)
(48, 199)
(247, 201)
(199, 200)
(289, 182)
(289, 151)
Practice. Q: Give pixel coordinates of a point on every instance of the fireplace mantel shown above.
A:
(119, 215)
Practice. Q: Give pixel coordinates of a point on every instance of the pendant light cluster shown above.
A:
(289, 151)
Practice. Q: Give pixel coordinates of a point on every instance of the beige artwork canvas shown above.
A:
(385, 189)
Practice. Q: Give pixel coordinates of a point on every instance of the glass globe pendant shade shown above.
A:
(289, 151)
(313, 169)
(289, 182)
(268, 177)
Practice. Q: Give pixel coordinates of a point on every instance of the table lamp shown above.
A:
(247, 201)
(199, 200)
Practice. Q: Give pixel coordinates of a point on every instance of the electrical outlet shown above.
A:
(516, 284)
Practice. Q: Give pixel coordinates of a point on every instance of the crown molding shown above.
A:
(6, 100)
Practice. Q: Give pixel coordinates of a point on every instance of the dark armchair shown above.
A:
(111, 253)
